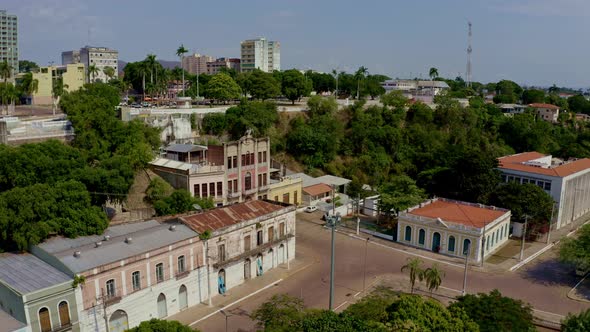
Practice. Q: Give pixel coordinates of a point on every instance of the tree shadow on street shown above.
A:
(550, 272)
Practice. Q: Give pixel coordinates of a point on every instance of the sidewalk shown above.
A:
(504, 260)
(199, 312)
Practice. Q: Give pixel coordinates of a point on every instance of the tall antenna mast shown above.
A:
(469, 51)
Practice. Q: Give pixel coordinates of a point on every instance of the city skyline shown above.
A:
(521, 40)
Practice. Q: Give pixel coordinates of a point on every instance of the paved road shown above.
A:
(542, 284)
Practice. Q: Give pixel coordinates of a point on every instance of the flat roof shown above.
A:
(517, 162)
(26, 273)
(9, 323)
(230, 215)
(145, 235)
(457, 212)
(169, 163)
(316, 189)
(326, 179)
(542, 105)
(184, 148)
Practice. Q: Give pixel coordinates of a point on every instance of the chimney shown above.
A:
(128, 240)
(77, 254)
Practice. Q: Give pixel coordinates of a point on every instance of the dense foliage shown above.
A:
(494, 312)
(255, 115)
(160, 325)
(181, 201)
(577, 323)
(576, 251)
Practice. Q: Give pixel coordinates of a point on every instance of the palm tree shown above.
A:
(433, 73)
(92, 72)
(5, 73)
(109, 72)
(8, 94)
(416, 271)
(360, 74)
(150, 63)
(433, 276)
(57, 91)
(180, 52)
(335, 73)
(31, 87)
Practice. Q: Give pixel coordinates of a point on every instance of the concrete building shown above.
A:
(454, 228)
(9, 40)
(73, 76)
(246, 240)
(196, 63)
(511, 109)
(229, 173)
(215, 67)
(547, 112)
(101, 57)
(260, 54)
(567, 181)
(286, 190)
(36, 295)
(415, 86)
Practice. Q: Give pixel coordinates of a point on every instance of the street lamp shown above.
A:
(550, 219)
(466, 253)
(526, 221)
(331, 222)
(227, 315)
(365, 263)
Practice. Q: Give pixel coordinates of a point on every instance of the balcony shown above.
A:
(112, 299)
(253, 252)
(180, 275)
(63, 328)
(233, 194)
(263, 187)
(250, 191)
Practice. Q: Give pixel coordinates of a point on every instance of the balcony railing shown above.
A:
(63, 328)
(233, 194)
(255, 251)
(180, 275)
(111, 299)
(250, 191)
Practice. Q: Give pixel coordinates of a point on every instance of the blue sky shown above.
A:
(533, 42)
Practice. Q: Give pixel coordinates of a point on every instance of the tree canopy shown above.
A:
(576, 251)
(222, 87)
(294, 85)
(160, 325)
(576, 323)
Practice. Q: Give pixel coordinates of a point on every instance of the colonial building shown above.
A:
(567, 181)
(454, 228)
(229, 173)
(36, 297)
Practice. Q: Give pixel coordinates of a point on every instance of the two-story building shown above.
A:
(245, 240)
(36, 295)
(567, 181)
(454, 228)
(546, 112)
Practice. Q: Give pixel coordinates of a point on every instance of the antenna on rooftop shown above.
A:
(469, 51)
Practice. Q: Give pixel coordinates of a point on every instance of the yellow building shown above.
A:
(286, 190)
(73, 76)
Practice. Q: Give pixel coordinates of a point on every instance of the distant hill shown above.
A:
(165, 63)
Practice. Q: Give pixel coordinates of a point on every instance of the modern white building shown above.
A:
(260, 54)
(415, 86)
(454, 228)
(567, 181)
(9, 40)
(101, 57)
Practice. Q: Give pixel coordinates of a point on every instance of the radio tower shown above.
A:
(469, 50)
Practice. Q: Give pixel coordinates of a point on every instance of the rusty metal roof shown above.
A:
(230, 215)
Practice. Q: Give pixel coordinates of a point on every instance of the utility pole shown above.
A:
(526, 220)
(550, 219)
(104, 309)
(466, 251)
(469, 51)
(358, 213)
(365, 263)
(332, 223)
(208, 272)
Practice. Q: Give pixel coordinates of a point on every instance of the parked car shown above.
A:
(311, 209)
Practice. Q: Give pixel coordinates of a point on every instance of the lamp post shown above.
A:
(365, 264)
(526, 221)
(550, 219)
(331, 222)
(358, 214)
(227, 315)
(466, 252)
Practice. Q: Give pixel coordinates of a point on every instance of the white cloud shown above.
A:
(544, 8)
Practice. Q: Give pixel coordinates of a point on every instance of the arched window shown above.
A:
(182, 298)
(248, 181)
(421, 237)
(466, 247)
(44, 320)
(451, 243)
(408, 233)
(64, 313)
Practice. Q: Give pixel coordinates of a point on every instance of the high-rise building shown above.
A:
(9, 40)
(196, 63)
(260, 54)
(214, 67)
(100, 57)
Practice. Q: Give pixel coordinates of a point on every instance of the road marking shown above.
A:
(357, 294)
(402, 251)
(236, 301)
(550, 313)
(451, 289)
(338, 307)
(531, 257)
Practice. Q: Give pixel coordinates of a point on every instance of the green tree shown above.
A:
(160, 325)
(262, 85)
(415, 270)
(433, 277)
(255, 115)
(373, 307)
(494, 312)
(280, 313)
(576, 251)
(360, 75)
(294, 85)
(158, 189)
(180, 52)
(92, 72)
(576, 323)
(413, 313)
(26, 66)
(109, 72)
(530, 96)
(319, 106)
(5, 71)
(181, 201)
(328, 321)
(223, 88)
(578, 104)
(433, 73)
(399, 194)
(214, 124)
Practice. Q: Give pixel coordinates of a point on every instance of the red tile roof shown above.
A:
(229, 215)
(515, 162)
(541, 105)
(317, 189)
(457, 212)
